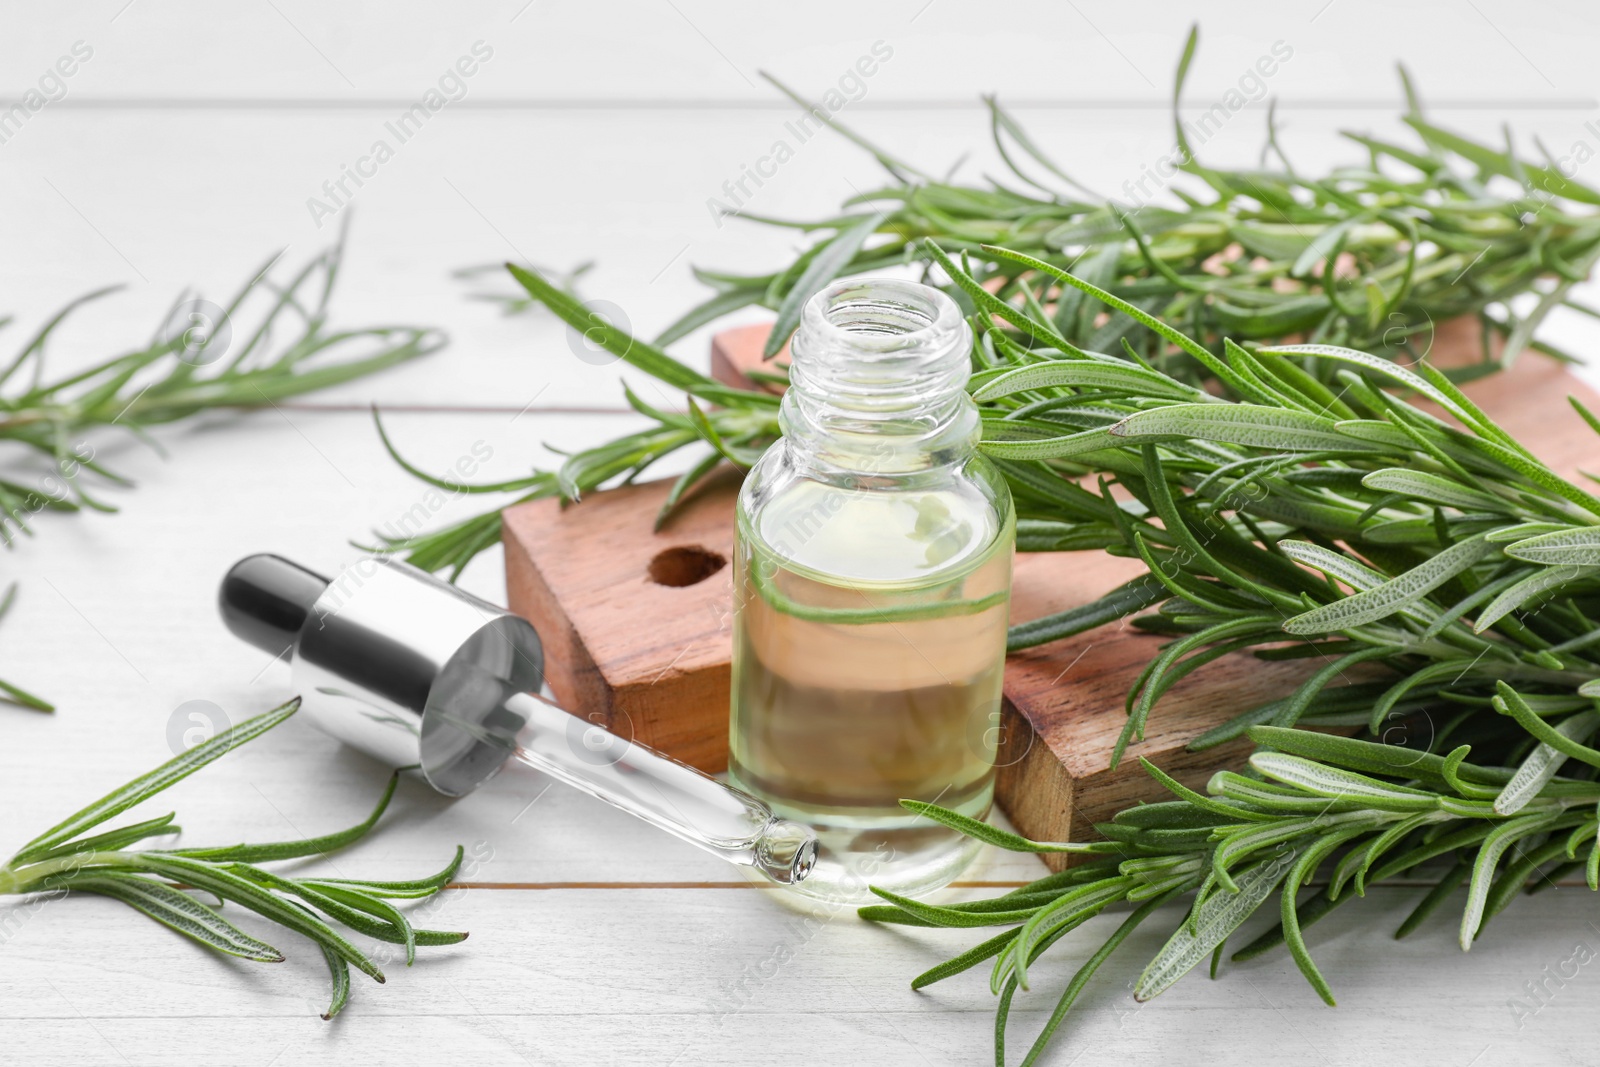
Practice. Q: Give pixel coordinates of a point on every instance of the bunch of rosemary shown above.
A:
(1301, 520)
(1373, 811)
(269, 342)
(1373, 256)
(1415, 524)
(161, 882)
(1313, 512)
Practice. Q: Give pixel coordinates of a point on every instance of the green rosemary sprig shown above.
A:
(161, 882)
(1370, 255)
(1371, 811)
(271, 341)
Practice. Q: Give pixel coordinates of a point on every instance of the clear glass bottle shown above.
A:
(871, 584)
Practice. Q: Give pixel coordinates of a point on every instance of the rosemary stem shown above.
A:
(14, 880)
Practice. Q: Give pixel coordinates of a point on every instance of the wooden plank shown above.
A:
(699, 53)
(625, 977)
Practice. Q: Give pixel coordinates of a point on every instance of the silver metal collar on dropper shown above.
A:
(415, 672)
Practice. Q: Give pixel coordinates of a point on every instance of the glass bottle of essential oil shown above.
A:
(871, 584)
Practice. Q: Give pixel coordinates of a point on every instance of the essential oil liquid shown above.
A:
(870, 640)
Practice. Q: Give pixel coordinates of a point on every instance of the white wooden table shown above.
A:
(183, 153)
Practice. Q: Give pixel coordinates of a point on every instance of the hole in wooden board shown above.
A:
(684, 565)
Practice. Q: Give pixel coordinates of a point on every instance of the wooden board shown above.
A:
(645, 657)
(651, 660)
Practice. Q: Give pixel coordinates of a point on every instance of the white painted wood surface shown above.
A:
(183, 153)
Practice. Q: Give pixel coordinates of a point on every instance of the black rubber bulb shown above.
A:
(265, 599)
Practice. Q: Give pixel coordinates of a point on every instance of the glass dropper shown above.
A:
(669, 795)
(415, 672)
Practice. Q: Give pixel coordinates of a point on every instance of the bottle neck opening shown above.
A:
(877, 380)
